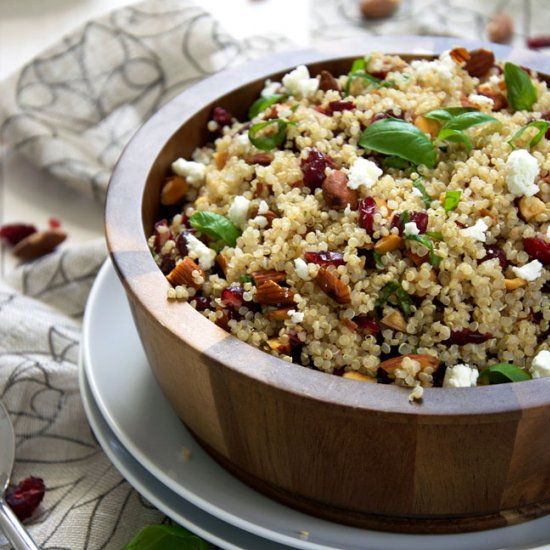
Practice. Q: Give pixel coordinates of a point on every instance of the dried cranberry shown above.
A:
(379, 74)
(201, 302)
(12, 233)
(167, 264)
(25, 497)
(181, 244)
(232, 297)
(493, 251)
(367, 324)
(313, 167)
(419, 218)
(466, 336)
(538, 249)
(367, 210)
(296, 346)
(339, 106)
(325, 258)
(222, 117)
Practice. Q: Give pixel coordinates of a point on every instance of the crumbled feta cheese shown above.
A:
(363, 172)
(460, 376)
(530, 271)
(441, 69)
(411, 229)
(263, 208)
(260, 221)
(477, 231)
(481, 100)
(522, 168)
(299, 84)
(284, 113)
(270, 88)
(494, 80)
(199, 251)
(192, 171)
(242, 139)
(296, 316)
(301, 269)
(540, 367)
(238, 211)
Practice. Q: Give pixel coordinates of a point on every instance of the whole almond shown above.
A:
(425, 360)
(328, 82)
(38, 244)
(376, 9)
(480, 62)
(270, 293)
(182, 274)
(262, 276)
(333, 286)
(336, 192)
(501, 28)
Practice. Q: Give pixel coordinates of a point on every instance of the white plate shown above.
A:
(136, 411)
(196, 520)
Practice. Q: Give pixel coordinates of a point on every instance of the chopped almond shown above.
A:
(279, 314)
(268, 275)
(480, 62)
(336, 192)
(388, 243)
(328, 82)
(415, 258)
(333, 286)
(269, 293)
(222, 262)
(263, 159)
(220, 159)
(395, 320)
(499, 99)
(173, 191)
(513, 284)
(278, 344)
(531, 207)
(425, 360)
(186, 273)
(459, 55)
(349, 324)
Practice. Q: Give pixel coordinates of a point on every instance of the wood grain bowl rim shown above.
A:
(146, 285)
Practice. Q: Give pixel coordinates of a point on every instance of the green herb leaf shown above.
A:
(393, 288)
(377, 259)
(395, 162)
(215, 226)
(166, 537)
(521, 91)
(359, 70)
(396, 137)
(435, 235)
(456, 136)
(542, 127)
(387, 290)
(271, 141)
(404, 217)
(435, 260)
(449, 113)
(452, 198)
(502, 373)
(425, 197)
(262, 103)
(246, 279)
(469, 119)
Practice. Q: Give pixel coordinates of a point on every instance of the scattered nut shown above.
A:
(173, 190)
(354, 375)
(336, 192)
(220, 159)
(269, 293)
(512, 284)
(427, 125)
(328, 82)
(499, 99)
(388, 243)
(38, 244)
(279, 314)
(459, 55)
(349, 324)
(395, 320)
(376, 9)
(500, 28)
(415, 258)
(278, 344)
(182, 274)
(263, 159)
(333, 286)
(425, 360)
(480, 62)
(261, 277)
(530, 207)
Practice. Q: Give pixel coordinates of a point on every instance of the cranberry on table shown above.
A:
(538, 249)
(13, 233)
(325, 258)
(25, 497)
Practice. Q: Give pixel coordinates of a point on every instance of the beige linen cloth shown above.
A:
(70, 111)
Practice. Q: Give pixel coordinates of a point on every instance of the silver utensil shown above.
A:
(9, 524)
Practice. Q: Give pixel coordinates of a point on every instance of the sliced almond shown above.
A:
(388, 243)
(173, 191)
(459, 55)
(480, 62)
(279, 314)
(185, 273)
(278, 344)
(269, 293)
(268, 275)
(263, 159)
(354, 375)
(332, 286)
(425, 360)
(530, 207)
(513, 284)
(38, 244)
(395, 321)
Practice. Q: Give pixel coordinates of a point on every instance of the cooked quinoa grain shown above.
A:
(389, 225)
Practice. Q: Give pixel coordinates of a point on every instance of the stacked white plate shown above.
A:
(145, 440)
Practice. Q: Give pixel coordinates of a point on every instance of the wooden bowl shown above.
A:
(355, 453)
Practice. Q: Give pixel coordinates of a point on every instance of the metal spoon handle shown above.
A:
(14, 531)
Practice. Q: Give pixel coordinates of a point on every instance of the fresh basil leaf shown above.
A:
(521, 91)
(456, 136)
(452, 198)
(376, 82)
(377, 259)
(358, 65)
(395, 162)
(393, 288)
(166, 537)
(396, 137)
(542, 127)
(435, 260)
(262, 103)
(246, 279)
(404, 301)
(425, 197)
(268, 142)
(435, 235)
(469, 119)
(387, 290)
(503, 373)
(448, 113)
(216, 226)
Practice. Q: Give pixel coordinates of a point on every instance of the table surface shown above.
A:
(27, 27)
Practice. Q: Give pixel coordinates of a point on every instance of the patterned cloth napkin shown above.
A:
(70, 111)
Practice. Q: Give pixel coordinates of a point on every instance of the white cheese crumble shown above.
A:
(242, 139)
(530, 271)
(442, 69)
(238, 211)
(522, 169)
(363, 172)
(540, 367)
(270, 88)
(460, 376)
(411, 229)
(263, 207)
(299, 84)
(481, 100)
(296, 316)
(199, 251)
(301, 269)
(192, 171)
(477, 231)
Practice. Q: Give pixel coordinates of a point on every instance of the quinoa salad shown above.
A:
(390, 224)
